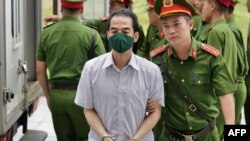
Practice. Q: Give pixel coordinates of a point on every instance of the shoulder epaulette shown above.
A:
(104, 18)
(157, 51)
(215, 52)
(49, 25)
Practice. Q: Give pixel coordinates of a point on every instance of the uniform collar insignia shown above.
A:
(169, 52)
(194, 53)
(161, 34)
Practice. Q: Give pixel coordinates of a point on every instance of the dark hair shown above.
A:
(230, 9)
(187, 17)
(125, 13)
(220, 7)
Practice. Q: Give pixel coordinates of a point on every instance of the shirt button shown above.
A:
(187, 113)
(190, 128)
(182, 80)
(182, 62)
(199, 82)
(165, 81)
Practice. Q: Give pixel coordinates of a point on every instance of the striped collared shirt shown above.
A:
(119, 96)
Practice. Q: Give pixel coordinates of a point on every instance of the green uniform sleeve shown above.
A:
(40, 53)
(221, 79)
(241, 53)
(225, 42)
(101, 27)
(98, 45)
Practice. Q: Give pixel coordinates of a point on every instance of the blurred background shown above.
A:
(139, 7)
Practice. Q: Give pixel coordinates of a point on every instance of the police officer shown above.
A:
(202, 35)
(242, 69)
(247, 103)
(63, 49)
(155, 37)
(196, 73)
(197, 20)
(101, 24)
(220, 36)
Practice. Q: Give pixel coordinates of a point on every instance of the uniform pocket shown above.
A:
(199, 79)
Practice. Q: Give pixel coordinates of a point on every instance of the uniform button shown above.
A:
(190, 128)
(165, 81)
(199, 82)
(187, 113)
(194, 29)
(182, 80)
(182, 62)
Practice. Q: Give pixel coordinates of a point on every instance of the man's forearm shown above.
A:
(148, 124)
(44, 84)
(95, 122)
(42, 77)
(228, 108)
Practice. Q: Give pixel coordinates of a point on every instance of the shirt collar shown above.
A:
(219, 22)
(133, 62)
(110, 62)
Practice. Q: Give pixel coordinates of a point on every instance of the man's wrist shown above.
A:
(107, 136)
(133, 139)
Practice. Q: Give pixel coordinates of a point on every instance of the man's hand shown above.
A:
(53, 18)
(151, 105)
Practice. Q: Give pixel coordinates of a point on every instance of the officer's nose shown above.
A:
(171, 30)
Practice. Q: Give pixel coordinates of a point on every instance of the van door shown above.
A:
(14, 61)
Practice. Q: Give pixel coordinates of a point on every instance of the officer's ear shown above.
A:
(213, 6)
(191, 24)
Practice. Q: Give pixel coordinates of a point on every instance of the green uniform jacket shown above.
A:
(64, 47)
(197, 26)
(243, 67)
(154, 39)
(202, 77)
(202, 36)
(221, 37)
(101, 26)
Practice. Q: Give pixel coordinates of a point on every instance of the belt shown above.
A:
(177, 135)
(63, 85)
